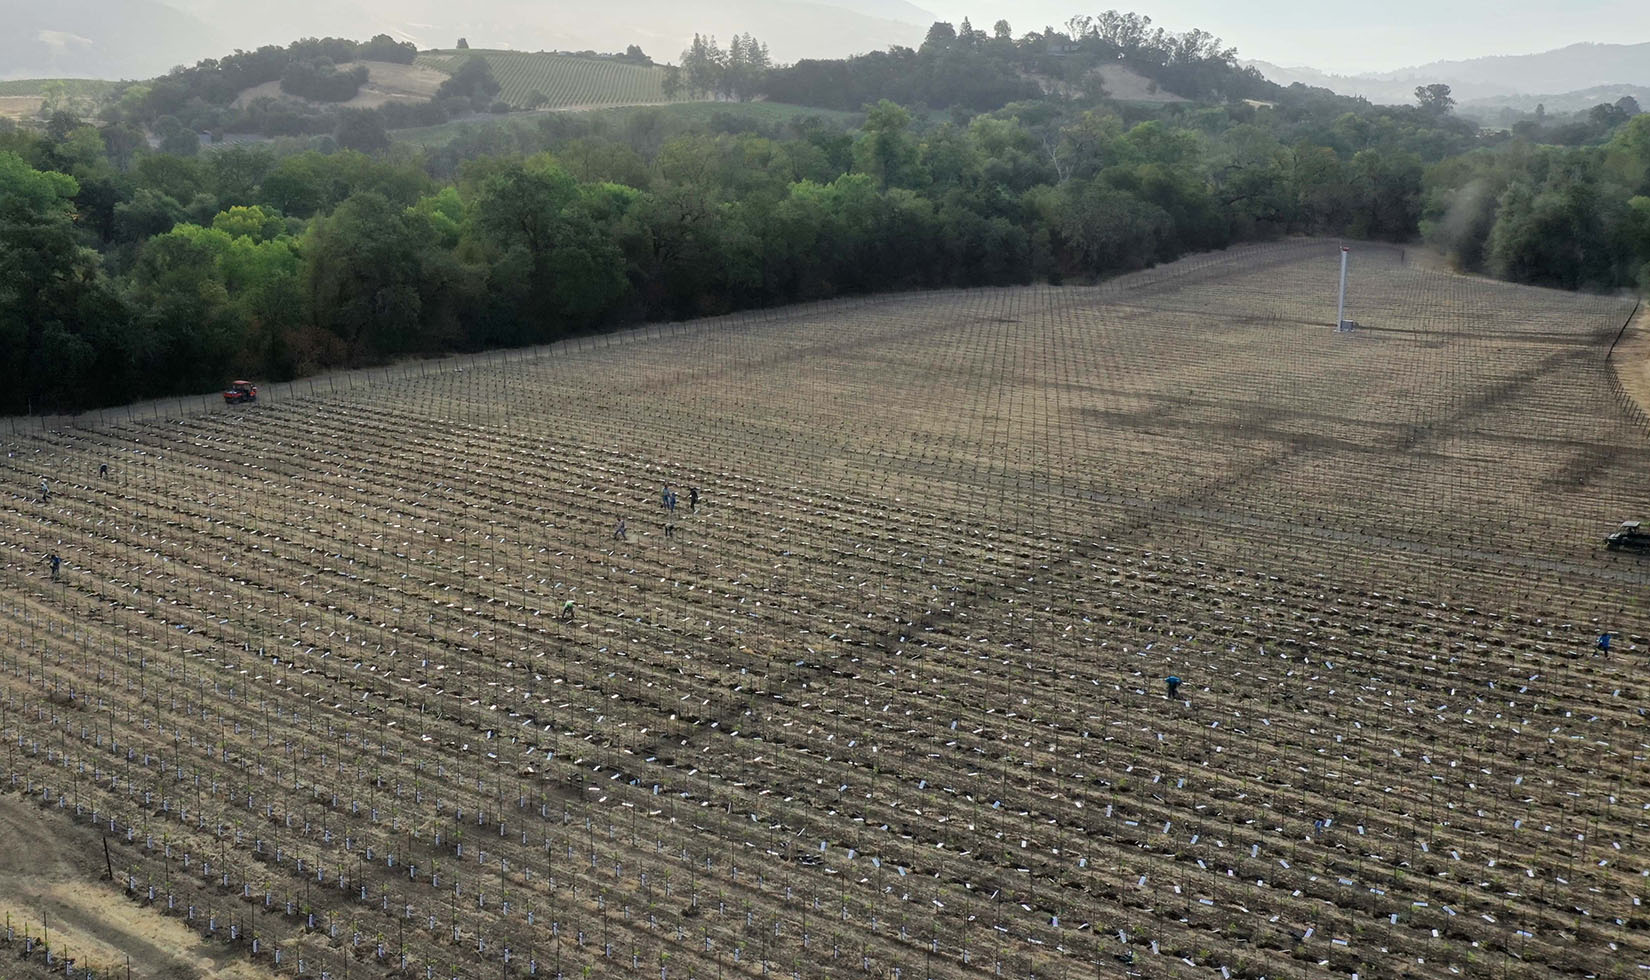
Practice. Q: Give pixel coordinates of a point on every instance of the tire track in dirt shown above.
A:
(50, 880)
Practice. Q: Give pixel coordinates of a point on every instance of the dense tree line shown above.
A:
(972, 69)
(1587, 127)
(127, 272)
(202, 97)
(1573, 217)
(472, 82)
(208, 98)
(738, 72)
(321, 81)
(933, 77)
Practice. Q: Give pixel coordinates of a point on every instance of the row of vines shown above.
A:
(564, 81)
(889, 699)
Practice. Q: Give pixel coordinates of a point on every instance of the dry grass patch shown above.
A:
(1631, 361)
(1127, 85)
(20, 106)
(386, 82)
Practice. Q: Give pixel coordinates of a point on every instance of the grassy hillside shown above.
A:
(386, 82)
(80, 88)
(24, 98)
(566, 81)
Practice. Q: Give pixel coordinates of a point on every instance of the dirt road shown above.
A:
(1631, 360)
(51, 872)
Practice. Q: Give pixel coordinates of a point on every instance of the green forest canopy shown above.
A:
(127, 271)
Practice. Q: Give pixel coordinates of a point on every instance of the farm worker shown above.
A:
(670, 501)
(103, 470)
(619, 532)
(693, 499)
(567, 609)
(1604, 643)
(45, 490)
(57, 564)
(670, 530)
(664, 496)
(1174, 685)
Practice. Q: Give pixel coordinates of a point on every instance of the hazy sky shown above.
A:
(1350, 37)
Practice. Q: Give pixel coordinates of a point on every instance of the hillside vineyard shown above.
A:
(891, 699)
(566, 81)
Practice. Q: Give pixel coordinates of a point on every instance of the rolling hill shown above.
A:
(386, 82)
(565, 81)
(1570, 69)
(1558, 102)
(143, 38)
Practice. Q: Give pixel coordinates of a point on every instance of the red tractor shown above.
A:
(240, 391)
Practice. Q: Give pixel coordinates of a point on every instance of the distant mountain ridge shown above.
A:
(144, 38)
(1563, 70)
(1558, 102)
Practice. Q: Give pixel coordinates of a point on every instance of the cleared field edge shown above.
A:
(1630, 366)
(1078, 770)
(1193, 267)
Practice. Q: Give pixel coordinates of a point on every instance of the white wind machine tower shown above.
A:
(1341, 322)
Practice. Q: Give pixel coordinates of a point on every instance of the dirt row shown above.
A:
(892, 699)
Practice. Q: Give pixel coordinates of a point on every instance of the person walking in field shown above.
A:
(619, 531)
(670, 501)
(1173, 683)
(1604, 643)
(45, 490)
(103, 471)
(664, 497)
(693, 499)
(670, 530)
(567, 610)
(56, 561)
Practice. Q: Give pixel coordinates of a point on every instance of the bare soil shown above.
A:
(1631, 360)
(891, 697)
(20, 106)
(52, 882)
(1127, 85)
(386, 82)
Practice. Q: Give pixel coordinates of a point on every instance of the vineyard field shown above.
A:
(79, 88)
(565, 81)
(885, 693)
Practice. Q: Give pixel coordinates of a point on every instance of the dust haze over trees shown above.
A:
(981, 158)
(1572, 217)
